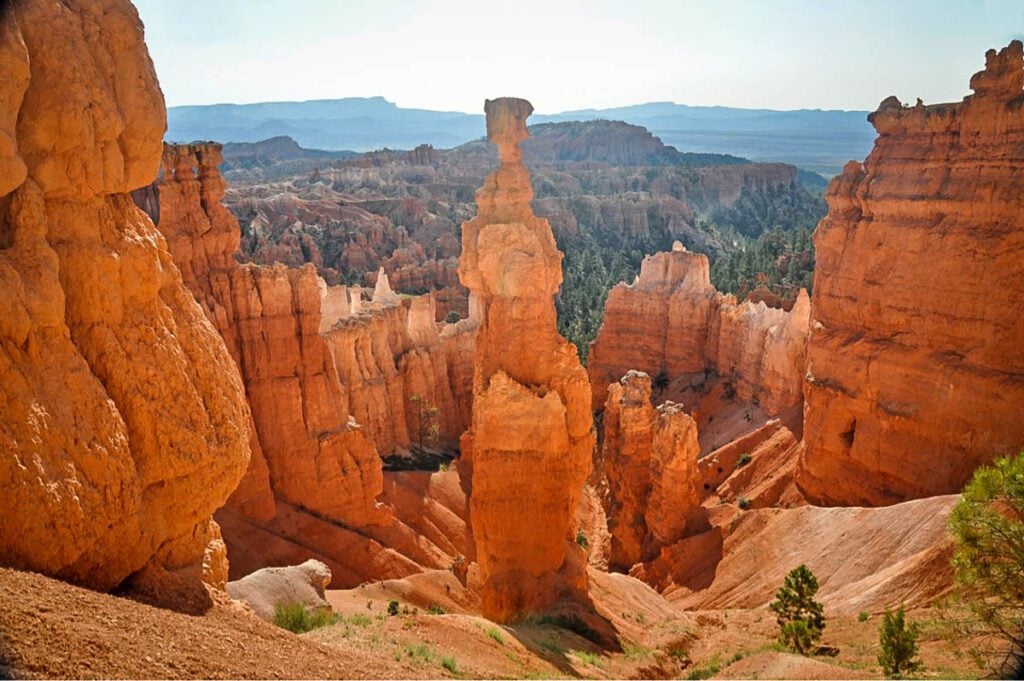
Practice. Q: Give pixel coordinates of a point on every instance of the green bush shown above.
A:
(452, 317)
(582, 540)
(743, 460)
(899, 644)
(393, 608)
(743, 503)
(988, 529)
(450, 664)
(801, 619)
(436, 610)
(862, 616)
(298, 618)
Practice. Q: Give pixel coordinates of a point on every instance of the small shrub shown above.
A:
(298, 619)
(496, 634)
(450, 664)
(582, 540)
(369, 605)
(360, 620)
(801, 619)
(743, 503)
(862, 616)
(743, 460)
(436, 609)
(898, 639)
(393, 608)
(452, 317)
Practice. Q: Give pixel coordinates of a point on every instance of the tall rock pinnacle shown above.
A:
(531, 438)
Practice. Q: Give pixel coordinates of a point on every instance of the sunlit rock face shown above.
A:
(650, 461)
(671, 321)
(330, 377)
(123, 422)
(531, 439)
(915, 371)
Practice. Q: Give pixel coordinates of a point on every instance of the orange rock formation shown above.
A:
(123, 422)
(329, 376)
(531, 438)
(650, 461)
(916, 359)
(671, 321)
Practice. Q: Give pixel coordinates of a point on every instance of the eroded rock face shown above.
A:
(650, 461)
(531, 437)
(123, 422)
(916, 355)
(330, 377)
(671, 321)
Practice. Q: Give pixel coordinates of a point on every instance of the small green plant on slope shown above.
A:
(496, 634)
(988, 529)
(393, 608)
(898, 639)
(801, 619)
(582, 540)
(863, 616)
(450, 664)
(743, 460)
(298, 619)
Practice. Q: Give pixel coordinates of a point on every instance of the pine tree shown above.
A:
(801, 619)
(899, 644)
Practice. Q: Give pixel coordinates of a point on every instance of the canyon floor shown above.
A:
(49, 628)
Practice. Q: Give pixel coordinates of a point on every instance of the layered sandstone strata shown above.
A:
(531, 438)
(650, 462)
(330, 377)
(123, 422)
(671, 321)
(915, 371)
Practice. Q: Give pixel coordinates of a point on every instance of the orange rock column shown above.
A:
(531, 438)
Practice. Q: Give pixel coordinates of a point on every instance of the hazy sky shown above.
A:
(573, 54)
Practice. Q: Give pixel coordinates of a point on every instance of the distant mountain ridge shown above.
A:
(813, 139)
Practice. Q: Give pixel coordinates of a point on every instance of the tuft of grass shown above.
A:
(298, 619)
(421, 653)
(496, 634)
(436, 610)
(634, 652)
(360, 620)
(862, 616)
(587, 657)
(450, 664)
(706, 670)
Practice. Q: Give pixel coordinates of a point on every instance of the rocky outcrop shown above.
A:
(123, 422)
(650, 462)
(531, 438)
(330, 377)
(915, 368)
(267, 589)
(671, 321)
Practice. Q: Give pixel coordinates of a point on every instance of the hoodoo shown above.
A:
(915, 371)
(123, 423)
(531, 436)
(671, 321)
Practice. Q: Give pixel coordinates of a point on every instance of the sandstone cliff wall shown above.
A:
(123, 422)
(329, 376)
(671, 321)
(916, 355)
